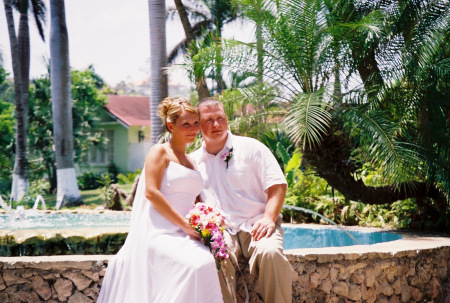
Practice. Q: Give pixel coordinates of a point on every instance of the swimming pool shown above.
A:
(38, 233)
(305, 237)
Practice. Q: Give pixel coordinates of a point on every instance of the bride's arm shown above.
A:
(155, 164)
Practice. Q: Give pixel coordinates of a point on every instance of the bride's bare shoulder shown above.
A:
(157, 153)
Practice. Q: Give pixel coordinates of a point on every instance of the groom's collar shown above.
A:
(228, 145)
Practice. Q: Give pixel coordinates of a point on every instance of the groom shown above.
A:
(243, 178)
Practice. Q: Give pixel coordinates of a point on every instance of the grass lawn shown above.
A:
(91, 198)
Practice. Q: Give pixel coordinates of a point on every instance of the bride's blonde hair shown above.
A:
(170, 109)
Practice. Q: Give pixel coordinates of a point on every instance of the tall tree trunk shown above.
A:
(24, 55)
(259, 51)
(20, 174)
(219, 61)
(202, 88)
(337, 90)
(158, 61)
(67, 193)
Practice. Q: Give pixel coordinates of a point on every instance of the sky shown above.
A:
(112, 35)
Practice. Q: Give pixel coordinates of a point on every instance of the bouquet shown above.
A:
(210, 223)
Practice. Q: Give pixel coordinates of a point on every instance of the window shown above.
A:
(103, 153)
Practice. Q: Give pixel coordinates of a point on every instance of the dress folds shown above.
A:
(159, 263)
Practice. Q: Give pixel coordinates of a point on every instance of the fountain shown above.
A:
(4, 205)
(41, 199)
(33, 232)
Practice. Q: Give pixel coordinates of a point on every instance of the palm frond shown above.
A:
(398, 159)
(308, 119)
(39, 14)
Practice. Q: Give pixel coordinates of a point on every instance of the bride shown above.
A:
(162, 259)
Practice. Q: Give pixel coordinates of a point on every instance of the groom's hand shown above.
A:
(264, 227)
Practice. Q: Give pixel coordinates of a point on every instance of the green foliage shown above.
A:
(92, 180)
(308, 119)
(88, 180)
(306, 188)
(87, 101)
(129, 177)
(6, 134)
(370, 70)
(311, 192)
(40, 131)
(252, 111)
(106, 190)
(6, 144)
(272, 138)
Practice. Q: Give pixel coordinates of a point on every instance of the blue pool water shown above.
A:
(33, 220)
(300, 237)
(294, 237)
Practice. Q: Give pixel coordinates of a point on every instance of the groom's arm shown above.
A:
(275, 199)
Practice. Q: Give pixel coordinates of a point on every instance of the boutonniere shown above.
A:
(227, 156)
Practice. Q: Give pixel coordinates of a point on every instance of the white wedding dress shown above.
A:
(159, 263)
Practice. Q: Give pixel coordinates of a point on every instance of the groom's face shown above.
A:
(213, 122)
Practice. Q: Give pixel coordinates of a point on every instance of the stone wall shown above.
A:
(73, 279)
(405, 276)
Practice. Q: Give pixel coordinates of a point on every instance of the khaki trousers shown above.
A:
(266, 261)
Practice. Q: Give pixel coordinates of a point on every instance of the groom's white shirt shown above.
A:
(241, 189)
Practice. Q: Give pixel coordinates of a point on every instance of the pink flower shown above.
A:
(210, 223)
(226, 156)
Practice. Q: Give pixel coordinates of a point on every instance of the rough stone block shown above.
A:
(386, 288)
(2, 283)
(370, 277)
(309, 258)
(394, 299)
(41, 287)
(341, 289)
(63, 288)
(369, 295)
(315, 280)
(415, 294)
(12, 277)
(357, 277)
(397, 286)
(333, 274)
(92, 292)
(78, 297)
(323, 270)
(435, 288)
(310, 268)
(354, 292)
(81, 281)
(331, 299)
(326, 286)
(325, 259)
(382, 299)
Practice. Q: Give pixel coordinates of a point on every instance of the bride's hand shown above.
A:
(190, 231)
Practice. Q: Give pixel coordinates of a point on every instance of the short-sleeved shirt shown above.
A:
(241, 189)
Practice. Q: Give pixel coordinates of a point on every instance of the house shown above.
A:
(125, 123)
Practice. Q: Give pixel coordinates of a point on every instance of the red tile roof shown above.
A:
(132, 111)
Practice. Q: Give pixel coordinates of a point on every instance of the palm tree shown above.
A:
(20, 54)
(68, 193)
(191, 33)
(364, 83)
(216, 14)
(158, 61)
